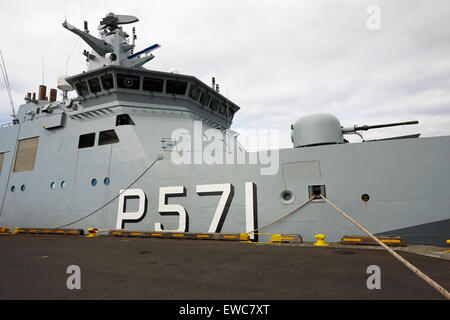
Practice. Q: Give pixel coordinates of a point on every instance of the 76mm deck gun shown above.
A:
(322, 129)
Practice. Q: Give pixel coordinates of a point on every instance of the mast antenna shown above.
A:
(7, 85)
(43, 79)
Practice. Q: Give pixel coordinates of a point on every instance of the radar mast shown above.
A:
(113, 47)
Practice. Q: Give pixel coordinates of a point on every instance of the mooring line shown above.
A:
(138, 178)
(414, 269)
(296, 209)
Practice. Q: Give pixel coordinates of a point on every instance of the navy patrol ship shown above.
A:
(140, 149)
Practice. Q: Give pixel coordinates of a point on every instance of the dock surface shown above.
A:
(34, 267)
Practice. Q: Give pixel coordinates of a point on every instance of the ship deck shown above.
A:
(34, 267)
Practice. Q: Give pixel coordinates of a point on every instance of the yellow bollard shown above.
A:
(276, 238)
(4, 231)
(320, 240)
(92, 233)
(244, 237)
(448, 242)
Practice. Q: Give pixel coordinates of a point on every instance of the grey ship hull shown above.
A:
(406, 180)
(53, 153)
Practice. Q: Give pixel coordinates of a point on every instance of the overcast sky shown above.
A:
(278, 60)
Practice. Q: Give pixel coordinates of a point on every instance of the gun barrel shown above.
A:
(365, 128)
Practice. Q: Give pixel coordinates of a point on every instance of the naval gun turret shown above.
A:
(323, 129)
(113, 47)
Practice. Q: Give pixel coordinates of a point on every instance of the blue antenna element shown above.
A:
(151, 48)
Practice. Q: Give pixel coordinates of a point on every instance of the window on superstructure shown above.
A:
(123, 120)
(231, 114)
(86, 140)
(128, 81)
(223, 109)
(214, 104)
(153, 84)
(82, 88)
(107, 137)
(94, 85)
(176, 87)
(107, 82)
(194, 92)
(204, 99)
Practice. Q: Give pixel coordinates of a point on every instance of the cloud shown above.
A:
(278, 60)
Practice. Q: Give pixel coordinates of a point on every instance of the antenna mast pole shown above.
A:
(43, 79)
(8, 87)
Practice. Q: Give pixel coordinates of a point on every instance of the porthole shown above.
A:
(286, 197)
(94, 182)
(22, 188)
(107, 181)
(13, 188)
(63, 185)
(365, 197)
(53, 185)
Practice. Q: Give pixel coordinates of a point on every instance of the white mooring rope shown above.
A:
(270, 223)
(427, 279)
(158, 158)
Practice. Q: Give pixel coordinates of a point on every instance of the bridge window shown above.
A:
(204, 100)
(194, 92)
(86, 140)
(82, 88)
(107, 137)
(123, 120)
(176, 87)
(153, 84)
(231, 114)
(214, 104)
(128, 81)
(107, 82)
(223, 109)
(94, 85)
